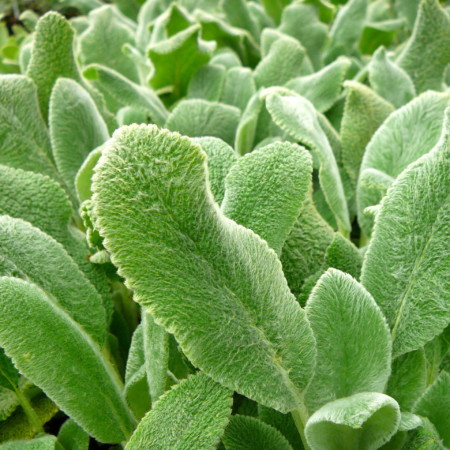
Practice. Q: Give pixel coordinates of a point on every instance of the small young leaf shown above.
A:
(72, 437)
(389, 80)
(83, 180)
(364, 112)
(406, 265)
(363, 421)
(434, 405)
(249, 433)
(222, 272)
(201, 118)
(192, 414)
(9, 377)
(57, 355)
(76, 128)
(427, 53)
(352, 337)
(343, 255)
(265, 190)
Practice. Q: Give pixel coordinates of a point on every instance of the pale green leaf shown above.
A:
(343, 255)
(364, 112)
(63, 361)
(46, 442)
(207, 83)
(221, 158)
(249, 433)
(322, 88)
(427, 53)
(9, 376)
(238, 15)
(197, 118)
(297, 116)
(363, 421)
(101, 43)
(76, 128)
(405, 136)
(24, 137)
(191, 415)
(52, 56)
(238, 88)
(83, 179)
(352, 338)
(434, 405)
(389, 80)
(406, 265)
(198, 271)
(274, 8)
(72, 437)
(265, 190)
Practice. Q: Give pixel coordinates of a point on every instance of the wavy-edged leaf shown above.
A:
(405, 136)
(52, 56)
(406, 265)
(352, 339)
(193, 414)
(281, 64)
(226, 271)
(300, 20)
(238, 88)
(322, 88)
(249, 433)
(197, 118)
(64, 362)
(177, 59)
(76, 128)
(363, 421)
(120, 92)
(72, 437)
(434, 405)
(364, 112)
(221, 158)
(408, 379)
(39, 200)
(389, 80)
(46, 442)
(297, 116)
(21, 245)
(24, 137)
(102, 42)
(265, 190)
(207, 83)
(427, 53)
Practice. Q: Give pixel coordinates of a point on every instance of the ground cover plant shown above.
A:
(225, 224)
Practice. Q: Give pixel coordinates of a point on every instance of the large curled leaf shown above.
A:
(363, 421)
(434, 405)
(191, 415)
(198, 271)
(58, 356)
(407, 134)
(24, 138)
(297, 116)
(353, 341)
(52, 56)
(427, 53)
(265, 190)
(406, 265)
(76, 128)
(249, 433)
(202, 118)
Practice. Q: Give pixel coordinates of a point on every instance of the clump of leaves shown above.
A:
(226, 225)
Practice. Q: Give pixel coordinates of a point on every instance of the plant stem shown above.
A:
(300, 417)
(29, 411)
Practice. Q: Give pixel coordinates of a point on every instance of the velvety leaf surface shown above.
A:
(202, 118)
(76, 128)
(58, 356)
(72, 437)
(406, 265)
(249, 433)
(207, 83)
(46, 442)
(238, 88)
(427, 53)
(352, 338)
(297, 116)
(265, 190)
(173, 222)
(363, 421)
(193, 414)
(24, 137)
(83, 179)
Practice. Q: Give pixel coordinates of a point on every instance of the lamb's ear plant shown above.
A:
(225, 225)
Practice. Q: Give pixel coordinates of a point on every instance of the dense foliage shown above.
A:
(259, 256)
